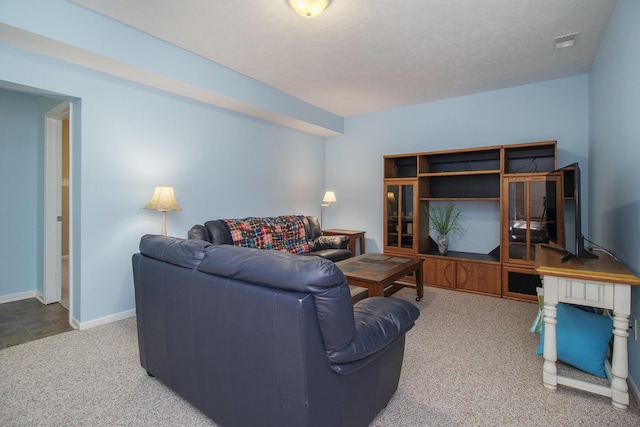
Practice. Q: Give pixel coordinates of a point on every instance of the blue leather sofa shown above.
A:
(334, 248)
(265, 338)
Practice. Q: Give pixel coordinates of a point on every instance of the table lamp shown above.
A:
(163, 200)
(329, 197)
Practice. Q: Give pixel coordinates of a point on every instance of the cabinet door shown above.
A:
(531, 216)
(520, 283)
(477, 277)
(399, 224)
(439, 272)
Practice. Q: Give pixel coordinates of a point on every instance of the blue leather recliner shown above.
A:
(265, 338)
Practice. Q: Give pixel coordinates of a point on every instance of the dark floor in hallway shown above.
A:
(29, 319)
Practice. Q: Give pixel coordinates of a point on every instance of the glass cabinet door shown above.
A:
(399, 215)
(393, 198)
(518, 220)
(532, 217)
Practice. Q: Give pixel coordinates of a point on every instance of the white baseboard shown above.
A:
(103, 320)
(74, 323)
(18, 296)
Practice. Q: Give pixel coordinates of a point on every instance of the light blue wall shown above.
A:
(615, 149)
(73, 27)
(131, 138)
(19, 189)
(552, 110)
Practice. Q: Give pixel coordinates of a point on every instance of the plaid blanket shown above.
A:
(281, 233)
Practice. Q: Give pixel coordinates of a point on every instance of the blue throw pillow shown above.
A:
(582, 339)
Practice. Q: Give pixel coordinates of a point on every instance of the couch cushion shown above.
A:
(185, 253)
(218, 232)
(313, 227)
(281, 270)
(199, 232)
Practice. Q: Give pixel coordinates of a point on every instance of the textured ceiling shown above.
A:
(361, 56)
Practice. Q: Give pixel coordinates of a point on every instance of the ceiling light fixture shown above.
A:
(567, 40)
(309, 8)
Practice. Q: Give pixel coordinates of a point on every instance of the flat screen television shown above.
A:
(571, 194)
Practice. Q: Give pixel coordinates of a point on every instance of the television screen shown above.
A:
(572, 241)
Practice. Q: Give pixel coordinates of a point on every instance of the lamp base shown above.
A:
(163, 232)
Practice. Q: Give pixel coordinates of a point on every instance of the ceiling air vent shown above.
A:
(567, 40)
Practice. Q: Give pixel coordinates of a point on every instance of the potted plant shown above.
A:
(445, 221)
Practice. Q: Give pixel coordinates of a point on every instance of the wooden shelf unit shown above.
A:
(466, 175)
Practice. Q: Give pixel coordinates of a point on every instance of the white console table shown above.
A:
(595, 282)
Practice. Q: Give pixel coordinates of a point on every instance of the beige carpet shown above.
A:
(470, 361)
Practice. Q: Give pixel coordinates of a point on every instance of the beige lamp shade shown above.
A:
(329, 197)
(163, 200)
(309, 8)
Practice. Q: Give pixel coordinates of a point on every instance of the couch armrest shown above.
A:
(379, 322)
(199, 232)
(331, 242)
(185, 253)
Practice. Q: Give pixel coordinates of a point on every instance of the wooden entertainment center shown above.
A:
(513, 179)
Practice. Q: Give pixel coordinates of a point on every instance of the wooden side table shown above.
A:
(595, 282)
(353, 236)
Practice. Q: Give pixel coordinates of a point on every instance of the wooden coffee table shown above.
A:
(379, 273)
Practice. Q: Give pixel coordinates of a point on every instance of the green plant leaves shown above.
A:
(445, 220)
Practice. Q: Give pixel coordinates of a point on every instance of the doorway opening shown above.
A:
(57, 277)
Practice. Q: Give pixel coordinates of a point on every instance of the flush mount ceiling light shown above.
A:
(567, 40)
(309, 8)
